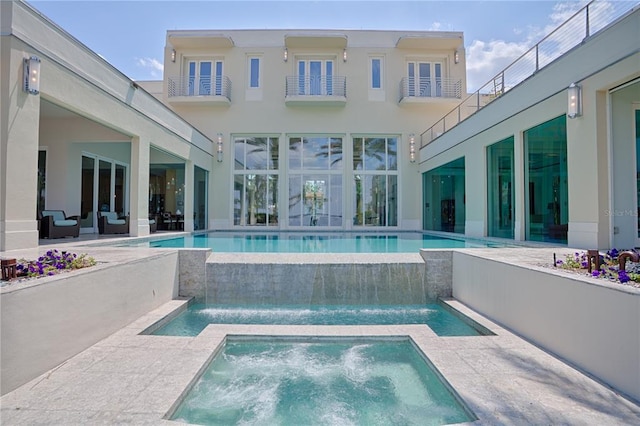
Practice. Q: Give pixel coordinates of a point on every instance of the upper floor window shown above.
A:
(315, 77)
(376, 73)
(205, 77)
(254, 72)
(424, 78)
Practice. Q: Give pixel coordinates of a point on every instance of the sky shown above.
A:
(131, 35)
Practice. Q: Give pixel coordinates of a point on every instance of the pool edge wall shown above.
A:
(96, 302)
(594, 326)
(325, 280)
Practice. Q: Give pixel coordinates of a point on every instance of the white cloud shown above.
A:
(155, 67)
(486, 59)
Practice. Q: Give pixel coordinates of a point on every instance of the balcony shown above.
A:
(201, 90)
(330, 90)
(425, 90)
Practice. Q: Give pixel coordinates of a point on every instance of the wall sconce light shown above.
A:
(344, 55)
(31, 69)
(173, 55)
(285, 55)
(574, 107)
(456, 56)
(412, 148)
(219, 148)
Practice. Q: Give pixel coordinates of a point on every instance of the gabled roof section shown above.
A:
(432, 40)
(199, 39)
(316, 39)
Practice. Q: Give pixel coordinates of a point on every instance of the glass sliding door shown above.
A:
(375, 181)
(500, 189)
(42, 180)
(444, 198)
(255, 196)
(546, 186)
(315, 182)
(119, 189)
(104, 187)
(87, 202)
(200, 202)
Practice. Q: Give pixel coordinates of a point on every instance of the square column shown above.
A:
(139, 199)
(18, 163)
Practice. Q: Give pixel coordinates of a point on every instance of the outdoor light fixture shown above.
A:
(285, 55)
(344, 55)
(456, 56)
(219, 150)
(173, 55)
(574, 108)
(412, 148)
(32, 75)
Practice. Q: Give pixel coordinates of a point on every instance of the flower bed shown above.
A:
(609, 267)
(53, 262)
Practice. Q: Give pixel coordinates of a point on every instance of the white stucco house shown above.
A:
(321, 130)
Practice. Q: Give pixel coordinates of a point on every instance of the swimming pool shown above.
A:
(293, 242)
(442, 320)
(274, 381)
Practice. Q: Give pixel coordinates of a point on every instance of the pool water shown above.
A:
(441, 320)
(282, 242)
(275, 382)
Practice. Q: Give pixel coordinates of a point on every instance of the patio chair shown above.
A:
(56, 224)
(111, 223)
(153, 224)
(168, 221)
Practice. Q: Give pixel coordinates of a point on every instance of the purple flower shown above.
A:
(595, 273)
(623, 276)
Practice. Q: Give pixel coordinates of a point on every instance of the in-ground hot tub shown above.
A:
(268, 380)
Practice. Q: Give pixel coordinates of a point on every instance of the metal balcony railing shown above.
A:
(416, 87)
(584, 23)
(200, 86)
(322, 85)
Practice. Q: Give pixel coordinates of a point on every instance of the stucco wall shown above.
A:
(594, 326)
(96, 302)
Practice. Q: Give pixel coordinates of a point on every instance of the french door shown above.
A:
(425, 79)
(315, 77)
(104, 187)
(205, 78)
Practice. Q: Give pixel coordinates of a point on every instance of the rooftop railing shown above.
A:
(587, 21)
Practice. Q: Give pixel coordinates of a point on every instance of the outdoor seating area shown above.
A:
(112, 223)
(56, 224)
(172, 222)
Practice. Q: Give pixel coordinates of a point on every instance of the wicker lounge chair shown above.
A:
(56, 224)
(111, 223)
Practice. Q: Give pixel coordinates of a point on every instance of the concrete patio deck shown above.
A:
(129, 378)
